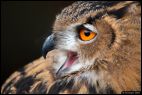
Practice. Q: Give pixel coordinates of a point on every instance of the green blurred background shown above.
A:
(24, 27)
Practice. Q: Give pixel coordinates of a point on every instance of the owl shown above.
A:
(94, 48)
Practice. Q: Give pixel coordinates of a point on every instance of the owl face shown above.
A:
(84, 35)
(81, 44)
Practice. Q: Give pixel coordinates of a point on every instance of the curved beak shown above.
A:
(48, 45)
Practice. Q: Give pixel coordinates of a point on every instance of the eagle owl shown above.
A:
(96, 50)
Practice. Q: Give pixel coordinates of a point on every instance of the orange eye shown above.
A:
(86, 35)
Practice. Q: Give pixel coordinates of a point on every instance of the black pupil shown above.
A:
(87, 33)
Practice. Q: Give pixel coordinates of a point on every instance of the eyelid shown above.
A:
(88, 27)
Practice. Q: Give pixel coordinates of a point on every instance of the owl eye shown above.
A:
(86, 35)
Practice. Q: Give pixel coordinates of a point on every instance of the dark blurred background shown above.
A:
(24, 27)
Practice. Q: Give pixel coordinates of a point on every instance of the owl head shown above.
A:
(92, 37)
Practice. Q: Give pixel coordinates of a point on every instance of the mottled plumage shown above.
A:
(109, 62)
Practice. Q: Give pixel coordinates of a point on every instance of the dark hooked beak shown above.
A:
(48, 45)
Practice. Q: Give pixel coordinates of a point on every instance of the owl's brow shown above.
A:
(92, 19)
(79, 27)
